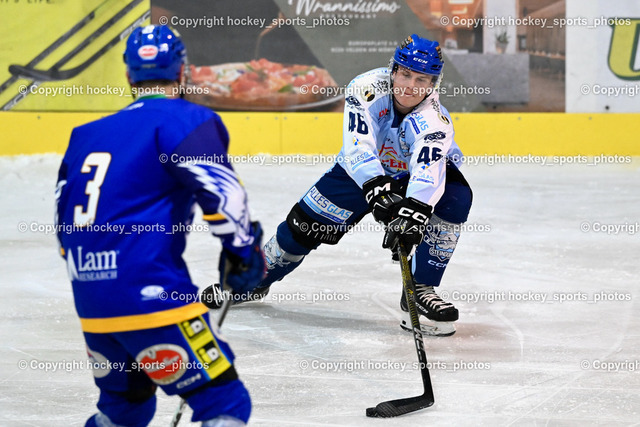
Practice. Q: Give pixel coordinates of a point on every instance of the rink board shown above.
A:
(545, 134)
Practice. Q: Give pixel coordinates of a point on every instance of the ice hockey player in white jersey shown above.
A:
(398, 161)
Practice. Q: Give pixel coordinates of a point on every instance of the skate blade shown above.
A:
(430, 327)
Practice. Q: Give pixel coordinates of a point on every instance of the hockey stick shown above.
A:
(56, 44)
(40, 76)
(226, 303)
(394, 408)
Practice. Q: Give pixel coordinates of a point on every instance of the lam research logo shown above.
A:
(92, 266)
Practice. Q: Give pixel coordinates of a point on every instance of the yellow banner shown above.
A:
(488, 137)
(66, 55)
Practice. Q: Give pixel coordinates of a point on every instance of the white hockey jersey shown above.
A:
(376, 142)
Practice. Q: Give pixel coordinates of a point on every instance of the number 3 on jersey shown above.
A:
(357, 123)
(82, 217)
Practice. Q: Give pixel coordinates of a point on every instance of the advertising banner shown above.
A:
(64, 55)
(603, 61)
(299, 55)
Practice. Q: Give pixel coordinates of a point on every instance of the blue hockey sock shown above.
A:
(433, 254)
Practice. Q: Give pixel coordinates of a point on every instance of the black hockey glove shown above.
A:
(382, 193)
(244, 275)
(409, 222)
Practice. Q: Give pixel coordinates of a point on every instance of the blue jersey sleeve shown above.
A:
(200, 163)
(61, 203)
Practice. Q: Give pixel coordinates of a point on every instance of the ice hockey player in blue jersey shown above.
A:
(399, 161)
(125, 199)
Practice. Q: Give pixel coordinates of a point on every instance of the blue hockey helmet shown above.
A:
(419, 55)
(154, 52)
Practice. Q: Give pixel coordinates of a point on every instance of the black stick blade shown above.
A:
(32, 73)
(395, 408)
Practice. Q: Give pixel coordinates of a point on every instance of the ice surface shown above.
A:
(516, 362)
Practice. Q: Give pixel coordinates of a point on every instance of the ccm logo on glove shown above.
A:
(383, 194)
(413, 214)
(377, 190)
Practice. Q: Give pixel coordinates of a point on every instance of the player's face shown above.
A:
(410, 88)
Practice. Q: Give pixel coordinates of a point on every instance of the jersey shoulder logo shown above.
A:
(435, 136)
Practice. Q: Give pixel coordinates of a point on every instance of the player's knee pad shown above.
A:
(218, 400)
(140, 395)
(279, 262)
(455, 203)
(310, 233)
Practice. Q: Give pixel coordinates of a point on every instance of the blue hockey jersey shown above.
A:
(125, 198)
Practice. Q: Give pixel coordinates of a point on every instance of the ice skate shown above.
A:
(437, 315)
(279, 264)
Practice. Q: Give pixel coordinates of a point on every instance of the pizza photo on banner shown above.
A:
(247, 56)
